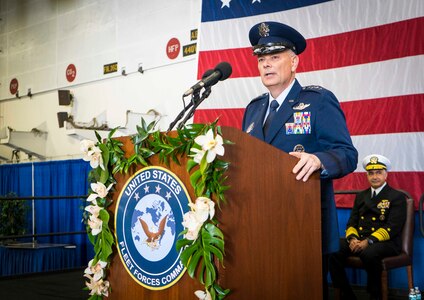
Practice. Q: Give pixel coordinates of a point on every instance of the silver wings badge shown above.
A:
(301, 106)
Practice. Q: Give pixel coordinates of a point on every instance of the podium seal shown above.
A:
(148, 220)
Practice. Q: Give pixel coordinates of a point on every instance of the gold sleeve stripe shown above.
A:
(381, 234)
(351, 231)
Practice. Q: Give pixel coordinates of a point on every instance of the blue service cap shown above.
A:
(271, 37)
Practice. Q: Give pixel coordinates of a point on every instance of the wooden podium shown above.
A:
(271, 223)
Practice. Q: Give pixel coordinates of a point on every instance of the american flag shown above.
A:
(368, 53)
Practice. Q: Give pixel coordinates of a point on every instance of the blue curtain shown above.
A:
(53, 178)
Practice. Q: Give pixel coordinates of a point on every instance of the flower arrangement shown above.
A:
(202, 242)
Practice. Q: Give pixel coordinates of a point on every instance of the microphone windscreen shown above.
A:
(225, 69)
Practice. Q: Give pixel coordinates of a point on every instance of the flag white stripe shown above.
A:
(402, 148)
(313, 21)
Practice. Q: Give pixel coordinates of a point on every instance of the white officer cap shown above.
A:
(376, 162)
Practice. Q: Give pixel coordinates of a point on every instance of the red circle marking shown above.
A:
(71, 72)
(173, 48)
(14, 85)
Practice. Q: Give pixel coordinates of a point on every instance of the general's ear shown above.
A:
(295, 62)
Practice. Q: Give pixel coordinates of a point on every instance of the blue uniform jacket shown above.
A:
(310, 119)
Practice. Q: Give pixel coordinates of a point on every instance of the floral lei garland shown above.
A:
(202, 240)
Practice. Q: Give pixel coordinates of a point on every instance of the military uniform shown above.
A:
(378, 219)
(310, 120)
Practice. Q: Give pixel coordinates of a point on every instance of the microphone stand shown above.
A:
(194, 99)
(205, 94)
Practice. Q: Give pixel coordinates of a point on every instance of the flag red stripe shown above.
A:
(334, 51)
(372, 116)
(231, 117)
(407, 181)
(385, 115)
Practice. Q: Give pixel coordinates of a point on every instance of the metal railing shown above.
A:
(34, 235)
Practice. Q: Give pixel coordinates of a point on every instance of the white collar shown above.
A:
(378, 190)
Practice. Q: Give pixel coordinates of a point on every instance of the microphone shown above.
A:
(221, 72)
(195, 98)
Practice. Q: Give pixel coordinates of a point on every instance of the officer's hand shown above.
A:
(307, 164)
(358, 247)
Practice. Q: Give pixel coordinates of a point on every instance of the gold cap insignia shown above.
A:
(374, 160)
(263, 30)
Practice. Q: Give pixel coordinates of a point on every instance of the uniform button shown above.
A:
(372, 229)
(360, 228)
(388, 229)
(373, 218)
(362, 217)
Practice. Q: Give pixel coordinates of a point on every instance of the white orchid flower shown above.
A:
(86, 145)
(98, 287)
(93, 154)
(213, 146)
(204, 208)
(96, 158)
(95, 225)
(97, 269)
(203, 295)
(93, 209)
(197, 157)
(100, 189)
(191, 222)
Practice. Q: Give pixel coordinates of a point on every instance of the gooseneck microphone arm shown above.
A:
(205, 94)
(194, 99)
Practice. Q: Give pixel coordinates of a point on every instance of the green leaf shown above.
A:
(214, 231)
(182, 243)
(99, 138)
(217, 252)
(190, 165)
(187, 253)
(203, 165)
(192, 264)
(104, 215)
(210, 273)
(194, 178)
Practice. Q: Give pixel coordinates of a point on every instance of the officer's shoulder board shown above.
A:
(260, 97)
(314, 88)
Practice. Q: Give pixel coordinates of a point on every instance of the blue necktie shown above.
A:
(272, 112)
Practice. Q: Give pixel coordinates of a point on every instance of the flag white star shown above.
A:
(136, 196)
(146, 189)
(158, 189)
(168, 196)
(253, 1)
(225, 3)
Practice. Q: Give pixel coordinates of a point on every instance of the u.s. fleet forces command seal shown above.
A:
(148, 220)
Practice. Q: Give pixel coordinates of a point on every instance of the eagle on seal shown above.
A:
(153, 237)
